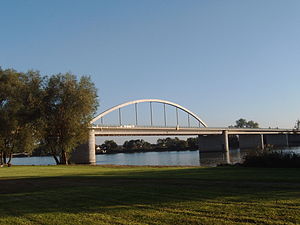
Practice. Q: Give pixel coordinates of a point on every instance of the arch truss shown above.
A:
(164, 102)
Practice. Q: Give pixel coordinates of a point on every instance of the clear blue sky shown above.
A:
(221, 59)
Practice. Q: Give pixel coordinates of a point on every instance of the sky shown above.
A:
(223, 60)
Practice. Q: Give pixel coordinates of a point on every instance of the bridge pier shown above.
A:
(251, 141)
(85, 153)
(225, 140)
(92, 147)
(226, 146)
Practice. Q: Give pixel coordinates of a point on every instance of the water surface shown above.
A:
(171, 158)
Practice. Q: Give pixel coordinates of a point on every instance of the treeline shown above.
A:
(140, 145)
(48, 113)
(166, 144)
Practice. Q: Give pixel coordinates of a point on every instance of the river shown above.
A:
(171, 158)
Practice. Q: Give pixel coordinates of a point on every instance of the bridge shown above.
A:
(210, 139)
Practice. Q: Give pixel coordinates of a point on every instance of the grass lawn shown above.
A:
(148, 195)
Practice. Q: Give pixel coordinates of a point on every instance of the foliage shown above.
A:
(136, 144)
(268, 158)
(193, 143)
(171, 143)
(109, 145)
(242, 123)
(69, 106)
(19, 112)
(48, 113)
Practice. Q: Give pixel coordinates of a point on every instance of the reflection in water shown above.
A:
(215, 158)
(173, 158)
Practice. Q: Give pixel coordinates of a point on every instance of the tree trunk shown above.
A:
(9, 158)
(55, 158)
(1, 158)
(64, 158)
(4, 157)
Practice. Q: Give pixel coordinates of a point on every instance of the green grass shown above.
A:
(148, 195)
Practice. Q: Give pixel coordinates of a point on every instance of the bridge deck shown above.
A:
(166, 131)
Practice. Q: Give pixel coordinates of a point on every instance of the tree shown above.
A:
(136, 144)
(252, 124)
(242, 123)
(146, 145)
(109, 145)
(19, 112)
(9, 108)
(161, 143)
(172, 143)
(69, 105)
(181, 145)
(193, 143)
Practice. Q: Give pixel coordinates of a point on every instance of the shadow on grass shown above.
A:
(116, 191)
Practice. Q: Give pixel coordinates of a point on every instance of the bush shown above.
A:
(275, 159)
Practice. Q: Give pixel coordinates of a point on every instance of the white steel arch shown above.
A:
(148, 100)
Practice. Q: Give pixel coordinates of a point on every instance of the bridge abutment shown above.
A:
(85, 153)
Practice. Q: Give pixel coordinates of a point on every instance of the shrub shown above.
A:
(275, 159)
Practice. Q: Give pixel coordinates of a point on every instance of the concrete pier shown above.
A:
(251, 141)
(85, 153)
(92, 147)
(225, 140)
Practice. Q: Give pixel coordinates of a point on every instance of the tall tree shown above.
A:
(69, 106)
(19, 112)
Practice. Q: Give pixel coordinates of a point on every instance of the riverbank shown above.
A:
(148, 195)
